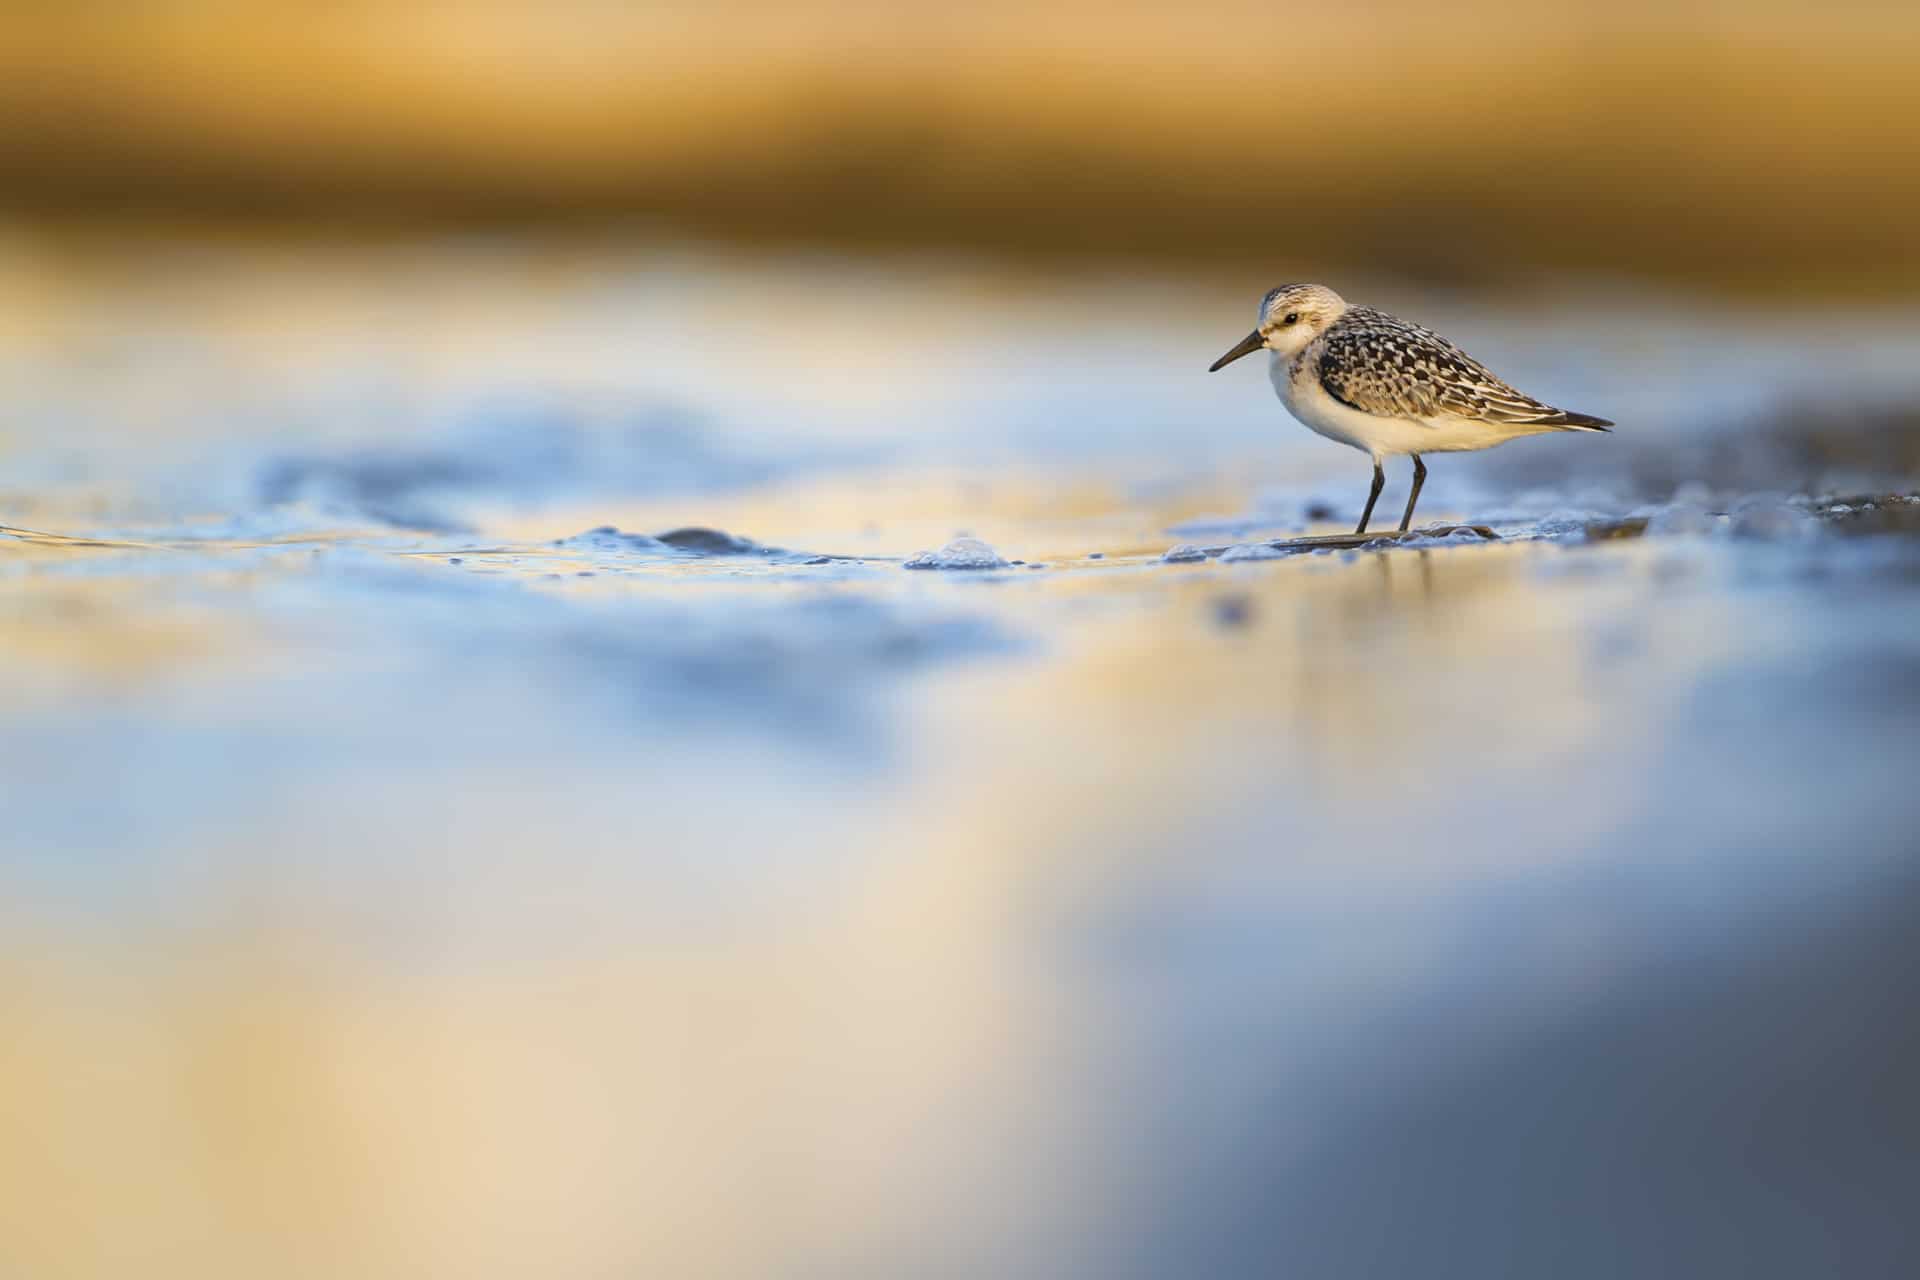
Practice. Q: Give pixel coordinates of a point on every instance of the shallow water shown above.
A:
(415, 861)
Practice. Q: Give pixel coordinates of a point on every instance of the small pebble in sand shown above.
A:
(1232, 611)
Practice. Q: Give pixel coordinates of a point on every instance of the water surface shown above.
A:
(419, 857)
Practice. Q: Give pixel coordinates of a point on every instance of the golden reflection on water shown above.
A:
(905, 1070)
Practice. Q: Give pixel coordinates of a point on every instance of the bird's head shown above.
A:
(1290, 317)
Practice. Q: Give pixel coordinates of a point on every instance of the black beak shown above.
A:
(1246, 347)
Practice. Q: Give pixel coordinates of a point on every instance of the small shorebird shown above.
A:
(1375, 382)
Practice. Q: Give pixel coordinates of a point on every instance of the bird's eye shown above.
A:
(1292, 318)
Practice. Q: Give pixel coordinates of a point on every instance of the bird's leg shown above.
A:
(1373, 495)
(1419, 478)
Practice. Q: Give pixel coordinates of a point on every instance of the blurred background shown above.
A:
(481, 794)
(1731, 146)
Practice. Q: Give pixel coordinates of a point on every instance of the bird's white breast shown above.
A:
(1297, 383)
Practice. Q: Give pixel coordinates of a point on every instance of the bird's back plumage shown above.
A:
(1380, 364)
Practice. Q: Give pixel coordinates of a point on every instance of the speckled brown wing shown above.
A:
(1382, 365)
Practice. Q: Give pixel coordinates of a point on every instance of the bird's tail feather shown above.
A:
(1571, 421)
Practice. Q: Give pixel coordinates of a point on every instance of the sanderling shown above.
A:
(1375, 382)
